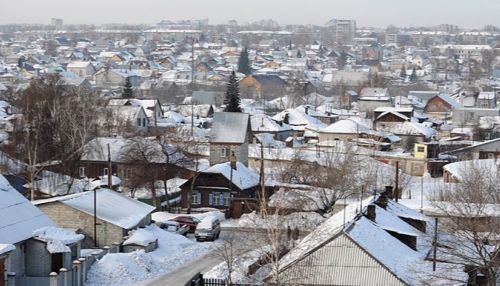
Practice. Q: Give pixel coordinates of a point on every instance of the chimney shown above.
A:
(389, 191)
(370, 212)
(232, 161)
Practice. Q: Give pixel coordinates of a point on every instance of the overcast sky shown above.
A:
(377, 13)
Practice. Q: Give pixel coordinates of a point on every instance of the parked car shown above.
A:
(189, 221)
(173, 226)
(208, 229)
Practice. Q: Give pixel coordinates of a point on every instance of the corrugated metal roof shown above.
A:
(229, 127)
(339, 262)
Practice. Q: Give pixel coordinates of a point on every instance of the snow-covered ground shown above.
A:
(240, 267)
(129, 268)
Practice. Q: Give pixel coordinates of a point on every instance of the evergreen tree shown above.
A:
(127, 89)
(342, 60)
(413, 76)
(244, 63)
(210, 111)
(232, 100)
(403, 74)
(299, 54)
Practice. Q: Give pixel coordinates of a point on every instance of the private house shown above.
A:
(456, 172)
(116, 215)
(485, 150)
(441, 106)
(299, 121)
(388, 118)
(261, 123)
(151, 107)
(226, 186)
(33, 242)
(94, 160)
(487, 99)
(229, 136)
(124, 118)
(116, 77)
(381, 244)
(262, 85)
(82, 69)
(471, 117)
(344, 130)
(372, 98)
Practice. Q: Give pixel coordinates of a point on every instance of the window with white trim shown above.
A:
(81, 172)
(196, 198)
(224, 152)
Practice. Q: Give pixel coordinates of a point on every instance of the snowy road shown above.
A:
(246, 241)
(182, 275)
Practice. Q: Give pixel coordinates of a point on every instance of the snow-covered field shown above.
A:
(173, 252)
(302, 220)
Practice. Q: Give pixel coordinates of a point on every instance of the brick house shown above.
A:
(229, 134)
(116, 214)
(25, 233)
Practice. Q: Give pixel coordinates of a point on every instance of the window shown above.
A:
(144, 122)
(138, 122)
(196, 198)
(420, 149)
(224, 152)
(105, 172)
(81, 172)
(126, 173)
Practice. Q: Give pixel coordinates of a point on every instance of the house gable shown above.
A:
(340, 261)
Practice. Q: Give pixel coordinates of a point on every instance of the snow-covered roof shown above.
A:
(348, 126)
(299, 118)
(57, 239)
(229, 127)
(374, 237)
(263, 123)
(461, 168)
(112, 207)
(4, 248)
(18, 217)
(242, 177)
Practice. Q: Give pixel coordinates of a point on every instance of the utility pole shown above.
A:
(396, 183)
(192, 86)
(110, 175)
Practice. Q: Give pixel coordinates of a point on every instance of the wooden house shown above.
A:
(220, 186)
(229, 136)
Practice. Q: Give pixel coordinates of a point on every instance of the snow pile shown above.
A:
(306, 221)
(57, 238)
(241, 264)
(142, 236)
(129, 268)
(165, 216)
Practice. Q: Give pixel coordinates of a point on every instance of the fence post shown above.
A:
(116, 247)
(63, 272)
(105, 249)
(83, 262)
(53, 279)
(76, 272)
(11, 278)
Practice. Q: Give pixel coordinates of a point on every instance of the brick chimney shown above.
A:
(232, 161)
(370, 212)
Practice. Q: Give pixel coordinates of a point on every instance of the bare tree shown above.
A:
(57, 122)
(470, 211)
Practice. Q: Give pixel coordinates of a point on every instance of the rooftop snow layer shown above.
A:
(18, 217)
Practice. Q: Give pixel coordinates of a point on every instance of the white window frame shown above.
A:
(196, 198)
(224, 152)
(81, 172)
